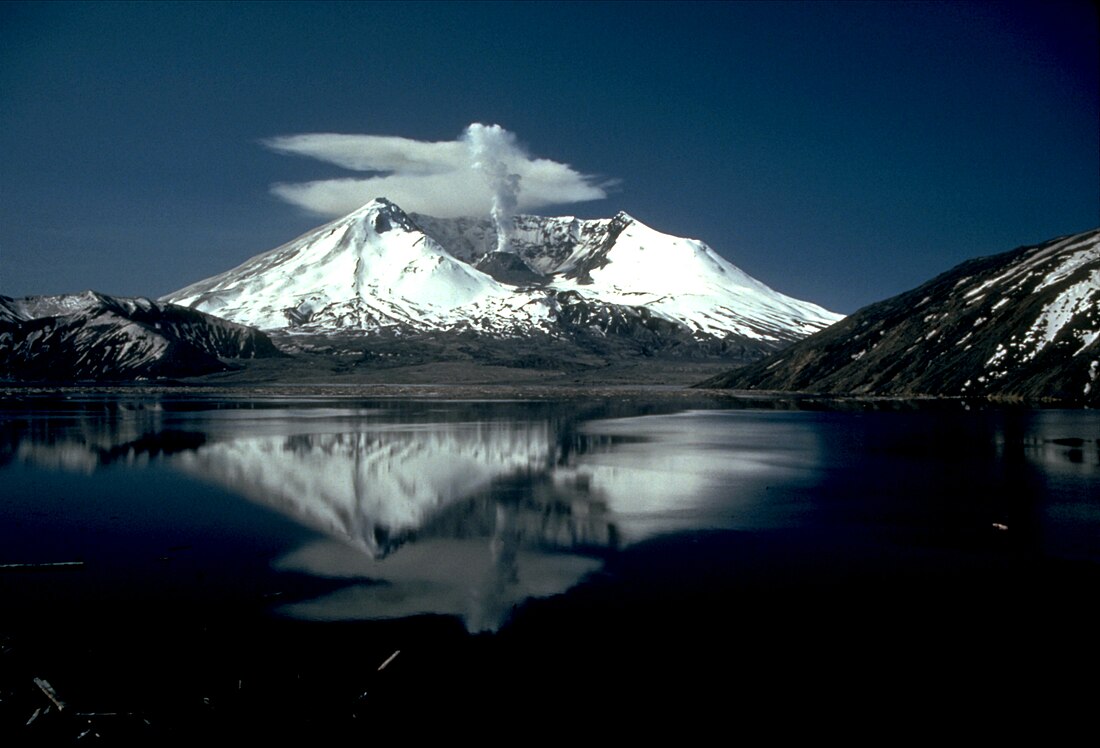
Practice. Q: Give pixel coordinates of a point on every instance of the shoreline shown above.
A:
(767, 399)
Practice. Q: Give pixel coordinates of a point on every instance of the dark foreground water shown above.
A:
(181, 567)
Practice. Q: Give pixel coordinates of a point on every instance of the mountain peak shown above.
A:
(382, 215)
(58, 305)
(369, 269)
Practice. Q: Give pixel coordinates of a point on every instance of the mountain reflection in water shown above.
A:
(469, 509)
(454, 518)
(472, 518)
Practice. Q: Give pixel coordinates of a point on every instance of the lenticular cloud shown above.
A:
(484, 171)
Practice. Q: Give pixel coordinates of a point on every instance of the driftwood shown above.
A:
(47, 565)
(46, 688)
(389, 659)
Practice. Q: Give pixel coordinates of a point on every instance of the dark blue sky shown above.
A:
(841, 153)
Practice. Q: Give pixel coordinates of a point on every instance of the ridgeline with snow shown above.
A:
(1024, 324)
(95, 337)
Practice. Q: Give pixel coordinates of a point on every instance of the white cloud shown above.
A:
(374, 152)
(441, 179)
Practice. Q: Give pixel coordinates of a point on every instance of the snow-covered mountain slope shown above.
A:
(1024, 323)
(380, 268)
(99, 337)
(686, 281)
(621, 261)
(372, 268)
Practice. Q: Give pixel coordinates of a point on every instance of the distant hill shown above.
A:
(92, 336)
(1025, 324)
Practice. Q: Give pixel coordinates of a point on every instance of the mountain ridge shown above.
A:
(1024, 323)
(94, 336)
(380, 268)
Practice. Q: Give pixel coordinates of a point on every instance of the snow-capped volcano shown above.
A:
(379, 268)
(369, 269)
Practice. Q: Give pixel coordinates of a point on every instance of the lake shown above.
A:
(192, 564)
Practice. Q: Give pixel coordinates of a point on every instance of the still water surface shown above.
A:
(336, 509)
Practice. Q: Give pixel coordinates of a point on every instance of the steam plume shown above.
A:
(435, 178)
(491, 149)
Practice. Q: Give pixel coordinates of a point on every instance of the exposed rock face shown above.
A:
(1025, 323)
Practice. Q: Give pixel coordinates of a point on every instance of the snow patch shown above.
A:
(1059, 312)
(1078, 250)
(998, 355)
(1087, 254)
(1088, 337)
